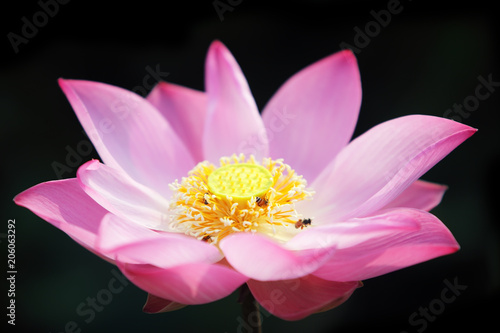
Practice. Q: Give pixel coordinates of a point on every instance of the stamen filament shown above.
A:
(211, 203)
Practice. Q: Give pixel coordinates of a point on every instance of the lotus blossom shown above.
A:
(198, 194)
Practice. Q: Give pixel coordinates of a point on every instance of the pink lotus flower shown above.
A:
(198, 194)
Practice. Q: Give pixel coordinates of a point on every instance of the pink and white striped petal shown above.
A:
(356, 231)
(66, 206)
(193, 283)
(129, 133)
(155, 304)
(380, 164)
(313, 114)
(298, 298)
(167, 250)
(116, 232)
(420, 195)
(376, 255)
(117, 192)
(261, 258)
(185, 110)
(233, 124)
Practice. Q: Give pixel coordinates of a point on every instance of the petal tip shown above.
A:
(18, 199)
(155, 304)
(93, 164)
(473, 130)
(67, 83)
(63, 84)
(217, 45)
(348, 55)
(218, 51)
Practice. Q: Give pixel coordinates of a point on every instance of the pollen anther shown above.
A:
(241, 195)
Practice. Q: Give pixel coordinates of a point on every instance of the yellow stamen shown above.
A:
(240, 181)
(239, 196)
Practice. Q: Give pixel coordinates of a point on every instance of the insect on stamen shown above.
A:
(261, 202)
(302, 223)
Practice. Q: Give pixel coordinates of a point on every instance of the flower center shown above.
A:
(241, 195)
(240, 181)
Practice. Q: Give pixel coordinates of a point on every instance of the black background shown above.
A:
(426, 59)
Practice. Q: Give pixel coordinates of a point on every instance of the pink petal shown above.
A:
(380, 164)
(185, 110)
(194, 283)
(262, 259)
(116, 232)
(233, 123)
(167, 250)
(298, 298)
(65, 205)
(420, 194)
(384, 253)
(313, 115)
(129, 133)
(156, 304)
(117, 192)
(355, 231)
